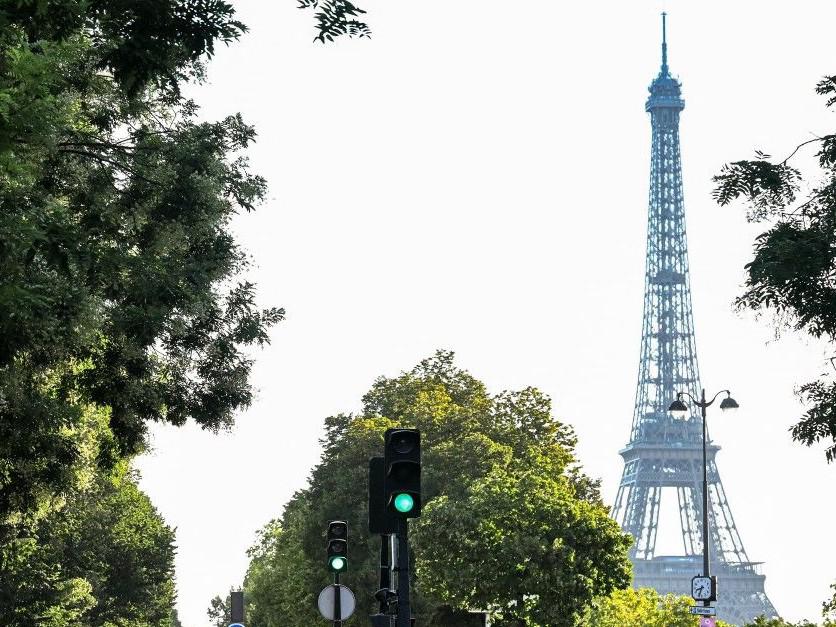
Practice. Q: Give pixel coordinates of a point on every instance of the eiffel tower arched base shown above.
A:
(740, 593)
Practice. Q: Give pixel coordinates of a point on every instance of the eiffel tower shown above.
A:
(665, 452)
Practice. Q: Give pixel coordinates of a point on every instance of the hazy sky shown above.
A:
(474, 178)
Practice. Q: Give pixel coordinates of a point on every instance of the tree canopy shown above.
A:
(120, 281)
(105, 558)
(644, 607)
(511, 525)
(123, 298)
(792, 272)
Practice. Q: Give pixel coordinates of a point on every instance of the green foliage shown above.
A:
(220, 611)
(762, 621)
(335, 18)
(792, 270)
(517, 532)
(104, 558)
(511, 524)
(156, 41)
(122, 299)
(644, 607)
(829, 609)
(278, 584)
(119, 277)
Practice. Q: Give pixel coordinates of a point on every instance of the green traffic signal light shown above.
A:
(338, 564)
(404, 503)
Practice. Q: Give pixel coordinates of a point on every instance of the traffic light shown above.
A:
(402, 462)
(337, 546)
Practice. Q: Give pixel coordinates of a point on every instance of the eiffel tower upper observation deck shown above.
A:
(664, 454)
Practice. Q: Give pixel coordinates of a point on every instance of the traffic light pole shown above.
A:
(338, 614)
(404, 609)
(385, 569)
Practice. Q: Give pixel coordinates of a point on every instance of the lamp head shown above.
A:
(678, 409)
(728, 404)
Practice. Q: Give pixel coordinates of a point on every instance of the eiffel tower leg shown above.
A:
(641, 515)
(686, 520)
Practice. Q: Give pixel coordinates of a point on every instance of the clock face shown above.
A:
(701, 588)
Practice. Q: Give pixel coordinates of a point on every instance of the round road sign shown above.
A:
(326, 602)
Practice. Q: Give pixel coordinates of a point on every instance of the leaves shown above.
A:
(520, 533)
(104, 557)
(507, 508)
(766, 186)
(829, 609)
(761, 621)
(819, 421)
(157, 42)
(122, 285)
(644, 607)
(122, 295)
(335, 18)
(793, 272)
(826, 87)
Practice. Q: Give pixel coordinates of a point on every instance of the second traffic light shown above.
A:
(402, 462)
(337, 550)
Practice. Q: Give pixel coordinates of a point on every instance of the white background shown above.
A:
(474, 178)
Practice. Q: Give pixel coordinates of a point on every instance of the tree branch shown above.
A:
(115, 164)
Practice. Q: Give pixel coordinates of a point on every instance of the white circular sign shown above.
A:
(326, 602)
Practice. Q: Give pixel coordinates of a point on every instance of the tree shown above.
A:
(828, 617)
(498, 472)
(644, 607)
(219, 612)
(105, 558)
(113, 537)
(520, 544)
(278, 582)
(122, 295)
(791, 273)
(120, 282)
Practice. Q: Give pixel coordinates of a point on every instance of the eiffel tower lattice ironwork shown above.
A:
(665, 454)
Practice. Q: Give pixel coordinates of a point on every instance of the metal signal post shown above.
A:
(338, 615)
(404, 607)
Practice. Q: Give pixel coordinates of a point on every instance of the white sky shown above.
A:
(474, 177)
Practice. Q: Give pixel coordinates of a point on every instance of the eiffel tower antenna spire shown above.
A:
(664, 45)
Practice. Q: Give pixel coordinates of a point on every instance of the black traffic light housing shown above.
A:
(380, 519)
(236, 610)
(402, 464)
(337, 547)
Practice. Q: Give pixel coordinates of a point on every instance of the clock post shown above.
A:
(705, 562)
(704, 586)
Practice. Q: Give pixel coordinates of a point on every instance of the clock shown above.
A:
(704, 588)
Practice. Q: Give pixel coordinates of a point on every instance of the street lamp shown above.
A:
(679, 409)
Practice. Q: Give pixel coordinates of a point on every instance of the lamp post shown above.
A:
(679, 409)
